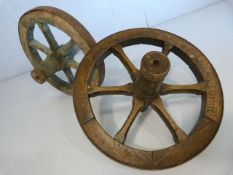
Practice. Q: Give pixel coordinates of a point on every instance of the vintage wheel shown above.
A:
(59, 57)
(147, 87)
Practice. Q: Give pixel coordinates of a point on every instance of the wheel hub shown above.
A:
(153, 70)
(56, 61)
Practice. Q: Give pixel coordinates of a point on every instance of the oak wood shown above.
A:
(198, 88)
(73, 64)
(122, 133)
(69, 74)
(110, 90)
(167, 48)
(119, 52)
(177, 133)
(44, 27)
(37, 45)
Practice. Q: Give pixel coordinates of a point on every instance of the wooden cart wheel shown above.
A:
(147, 87)
(59, 57)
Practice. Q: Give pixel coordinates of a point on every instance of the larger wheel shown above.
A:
(59, 56)
(147, 87)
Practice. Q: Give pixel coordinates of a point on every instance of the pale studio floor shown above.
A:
(40, 134)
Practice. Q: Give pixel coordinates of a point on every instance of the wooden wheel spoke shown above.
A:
(65, 49)
(177, 133)
(73, 64)
(48, 35)
(119, 52)
(126, 89)
(167, 48)
(122, 133)
(69, 74)
(197, 88)
(37, 45)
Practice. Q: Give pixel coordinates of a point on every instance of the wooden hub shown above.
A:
(147, 83)
(58, 60)
(154, 68)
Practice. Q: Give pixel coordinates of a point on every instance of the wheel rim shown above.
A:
(208, 86)
(44, 18)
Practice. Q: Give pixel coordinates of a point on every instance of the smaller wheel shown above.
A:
(59, 65)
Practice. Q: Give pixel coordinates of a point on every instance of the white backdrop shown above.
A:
(101, 18)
